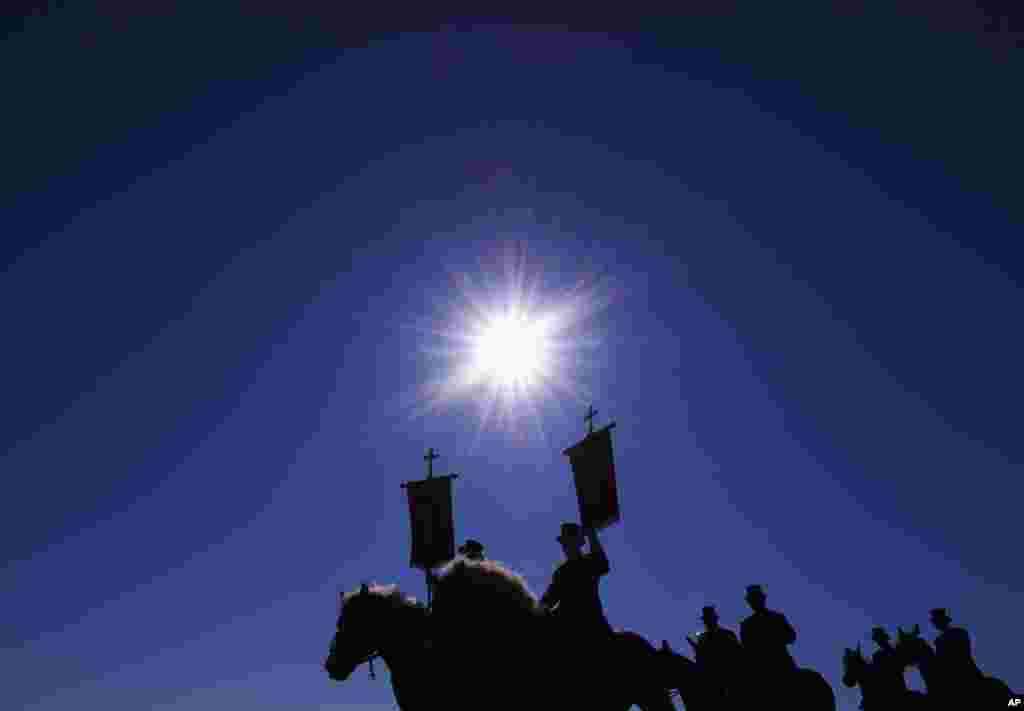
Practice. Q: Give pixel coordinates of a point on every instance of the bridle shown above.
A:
(374, 653)
(369, 658)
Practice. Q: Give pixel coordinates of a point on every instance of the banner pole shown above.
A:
(429, 457)
(590, 419)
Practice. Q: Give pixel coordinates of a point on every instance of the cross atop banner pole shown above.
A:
(431, 519)
(430, 456)
(593, 472)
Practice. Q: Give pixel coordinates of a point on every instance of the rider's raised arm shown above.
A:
(552, 595)
(597, 554)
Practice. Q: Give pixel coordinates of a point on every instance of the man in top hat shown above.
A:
(953, 654)
(887, 668)
(572, 596)
(472, 549)
(766, 636)
(718, 652)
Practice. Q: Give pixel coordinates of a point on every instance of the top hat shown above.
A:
(708, 613)
(755, 591)
(939, 613)
(471, 547)
(569, 530)
(879, 633)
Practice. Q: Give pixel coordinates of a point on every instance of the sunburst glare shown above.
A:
(511, 349)
(511, 346)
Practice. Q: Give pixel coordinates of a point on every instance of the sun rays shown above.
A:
(511, 349)
(511, 343)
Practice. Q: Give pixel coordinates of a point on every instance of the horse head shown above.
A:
(368, 620)
(354, 641)
(911, 647)
(854, 666)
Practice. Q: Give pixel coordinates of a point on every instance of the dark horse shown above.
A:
(684, 676)
(806, 690)
(487, 644)
(876, 693)
(381, 621)
(985, 692)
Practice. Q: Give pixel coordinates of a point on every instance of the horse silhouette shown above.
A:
(986, 692)
(876, 693)
(803, 688)
(381, 621)
(486, 643)
(807, 689)
(681, 674)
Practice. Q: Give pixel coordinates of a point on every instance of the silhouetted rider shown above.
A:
(766, 635)
(953, 653)
(572, 597)
(718, 652)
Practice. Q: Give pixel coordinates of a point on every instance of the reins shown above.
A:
(369, 658)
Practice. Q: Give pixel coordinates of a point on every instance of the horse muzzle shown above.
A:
(338, 670)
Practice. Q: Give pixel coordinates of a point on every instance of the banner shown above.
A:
(593, 471)
(430, 514)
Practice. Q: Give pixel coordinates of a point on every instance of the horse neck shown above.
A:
(684, 673)
(924, 659)
(855, 673)
(694, 689)
(862, 678)
(403, 633)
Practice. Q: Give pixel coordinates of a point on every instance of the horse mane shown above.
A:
(388, 593)
(489, 581)
(633, 637)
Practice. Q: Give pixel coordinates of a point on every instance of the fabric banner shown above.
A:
(593, 471)
(430, 513)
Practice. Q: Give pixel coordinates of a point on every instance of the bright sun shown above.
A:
(510, 349)
(513, 346)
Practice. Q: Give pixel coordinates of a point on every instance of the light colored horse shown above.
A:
(487, 644)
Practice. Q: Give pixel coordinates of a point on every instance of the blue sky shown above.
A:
(225, 271)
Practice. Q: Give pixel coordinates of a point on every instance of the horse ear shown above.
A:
(917, 629)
